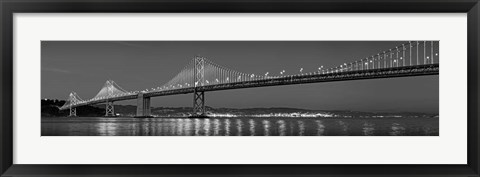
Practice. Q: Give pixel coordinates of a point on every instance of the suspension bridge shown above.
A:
(200, 75)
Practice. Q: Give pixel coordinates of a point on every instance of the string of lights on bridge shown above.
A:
(407, 54)
(404, 55)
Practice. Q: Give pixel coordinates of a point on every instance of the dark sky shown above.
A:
(84, 66)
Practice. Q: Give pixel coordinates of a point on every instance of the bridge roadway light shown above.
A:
(403, 50)
(397, 54)
(424, 52)
(379, 59)
(410, 52)
(418, 43)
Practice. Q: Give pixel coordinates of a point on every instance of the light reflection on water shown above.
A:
(344, 127)
(320, 127)
(368, 129)
(239, 127)
(266, 127)
(227, 127)
(282, 128)
(397, 129)
(252, 127)
(206, 127)
(197, 127)
(301, 128)
(99, 126)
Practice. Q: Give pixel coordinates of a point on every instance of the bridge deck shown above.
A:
(417, 70)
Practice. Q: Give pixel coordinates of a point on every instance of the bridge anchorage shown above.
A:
(200, 75)
(143, 106)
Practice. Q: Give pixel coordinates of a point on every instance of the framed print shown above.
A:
(239, 88)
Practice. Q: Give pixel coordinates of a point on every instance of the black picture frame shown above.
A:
(9, 7)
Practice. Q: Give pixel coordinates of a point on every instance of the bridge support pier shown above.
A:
(109, 109)
(198, 104)
(73, 112)
(143, 106)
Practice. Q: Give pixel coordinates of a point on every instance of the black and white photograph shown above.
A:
(240, 88)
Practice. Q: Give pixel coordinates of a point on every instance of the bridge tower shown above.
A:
(73, 112)
(109, 109)
(109, 106)
(72, 100)
(198, 94)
